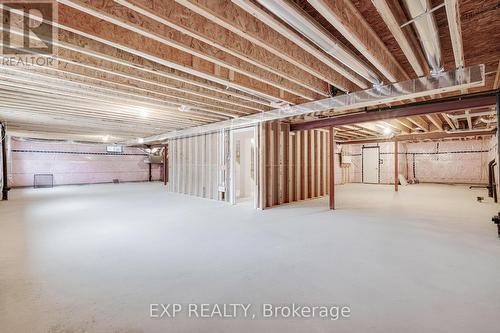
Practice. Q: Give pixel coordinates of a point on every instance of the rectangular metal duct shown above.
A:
(454, 80)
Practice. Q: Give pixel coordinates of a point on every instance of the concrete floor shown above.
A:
(92, 259)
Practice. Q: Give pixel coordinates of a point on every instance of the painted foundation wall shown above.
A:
(195, 165)
(75, 163)
(451, 162)
(355, 152)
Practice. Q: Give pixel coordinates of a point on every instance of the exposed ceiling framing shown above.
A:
(129, 69)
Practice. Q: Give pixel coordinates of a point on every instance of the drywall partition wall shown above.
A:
(464, 161)
(197, 165)
(75, 163)
(294, 164)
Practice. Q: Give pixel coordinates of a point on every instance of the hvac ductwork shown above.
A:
(444, 82)
(319, 36)
(425, 25)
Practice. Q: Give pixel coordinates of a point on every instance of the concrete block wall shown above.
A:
(75, 163)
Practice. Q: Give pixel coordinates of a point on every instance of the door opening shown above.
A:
(244, 166)
(371, 165)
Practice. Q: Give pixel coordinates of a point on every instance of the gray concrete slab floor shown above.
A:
(93, 259)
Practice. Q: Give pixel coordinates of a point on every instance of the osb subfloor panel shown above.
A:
(92, 259)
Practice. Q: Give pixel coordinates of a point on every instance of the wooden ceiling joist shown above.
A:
(237, 55)
(409, 47)
(406, 123)
(89, 50)
(125, 40)
(237, 20)
(435, 121)
(345, 18)
(455, 27)
(161, 42)
(198, 26)
(282, 29)
(420, 123)
(135, 98)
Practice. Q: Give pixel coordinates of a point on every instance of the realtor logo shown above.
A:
(27, 32)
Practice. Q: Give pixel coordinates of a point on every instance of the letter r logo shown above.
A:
(26, 27)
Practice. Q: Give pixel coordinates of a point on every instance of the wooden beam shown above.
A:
(78, 63)
(406, 123)
(302, 150)
(178, 17)
(496, 84)
(434, 118)
(276, 163)
(422, 124)
(331, 156)
(449, 121)
(394, 125)
(409, 49)
(469, 119)
(268, 159)
(168, 50)
(455, 27)
(286, 161)
(129, 63)
(344, 16)
(245, 19)
(262, 141)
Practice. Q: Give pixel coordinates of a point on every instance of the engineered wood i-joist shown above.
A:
(237, 20)
(178, 17)
(344, 16)
(163, 53)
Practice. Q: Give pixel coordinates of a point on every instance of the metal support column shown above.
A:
(498, 134)
(396, 166)
(332, 168)
(5, 186)
(165, 164)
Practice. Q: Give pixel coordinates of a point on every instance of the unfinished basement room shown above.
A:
(249, 166)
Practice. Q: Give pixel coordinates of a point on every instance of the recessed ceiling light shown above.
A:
(140, 140)
(105, 138)
(387, 131)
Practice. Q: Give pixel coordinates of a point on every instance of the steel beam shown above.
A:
(425, 136)
(415, 109)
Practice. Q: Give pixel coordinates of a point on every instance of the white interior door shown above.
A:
(370, 165)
